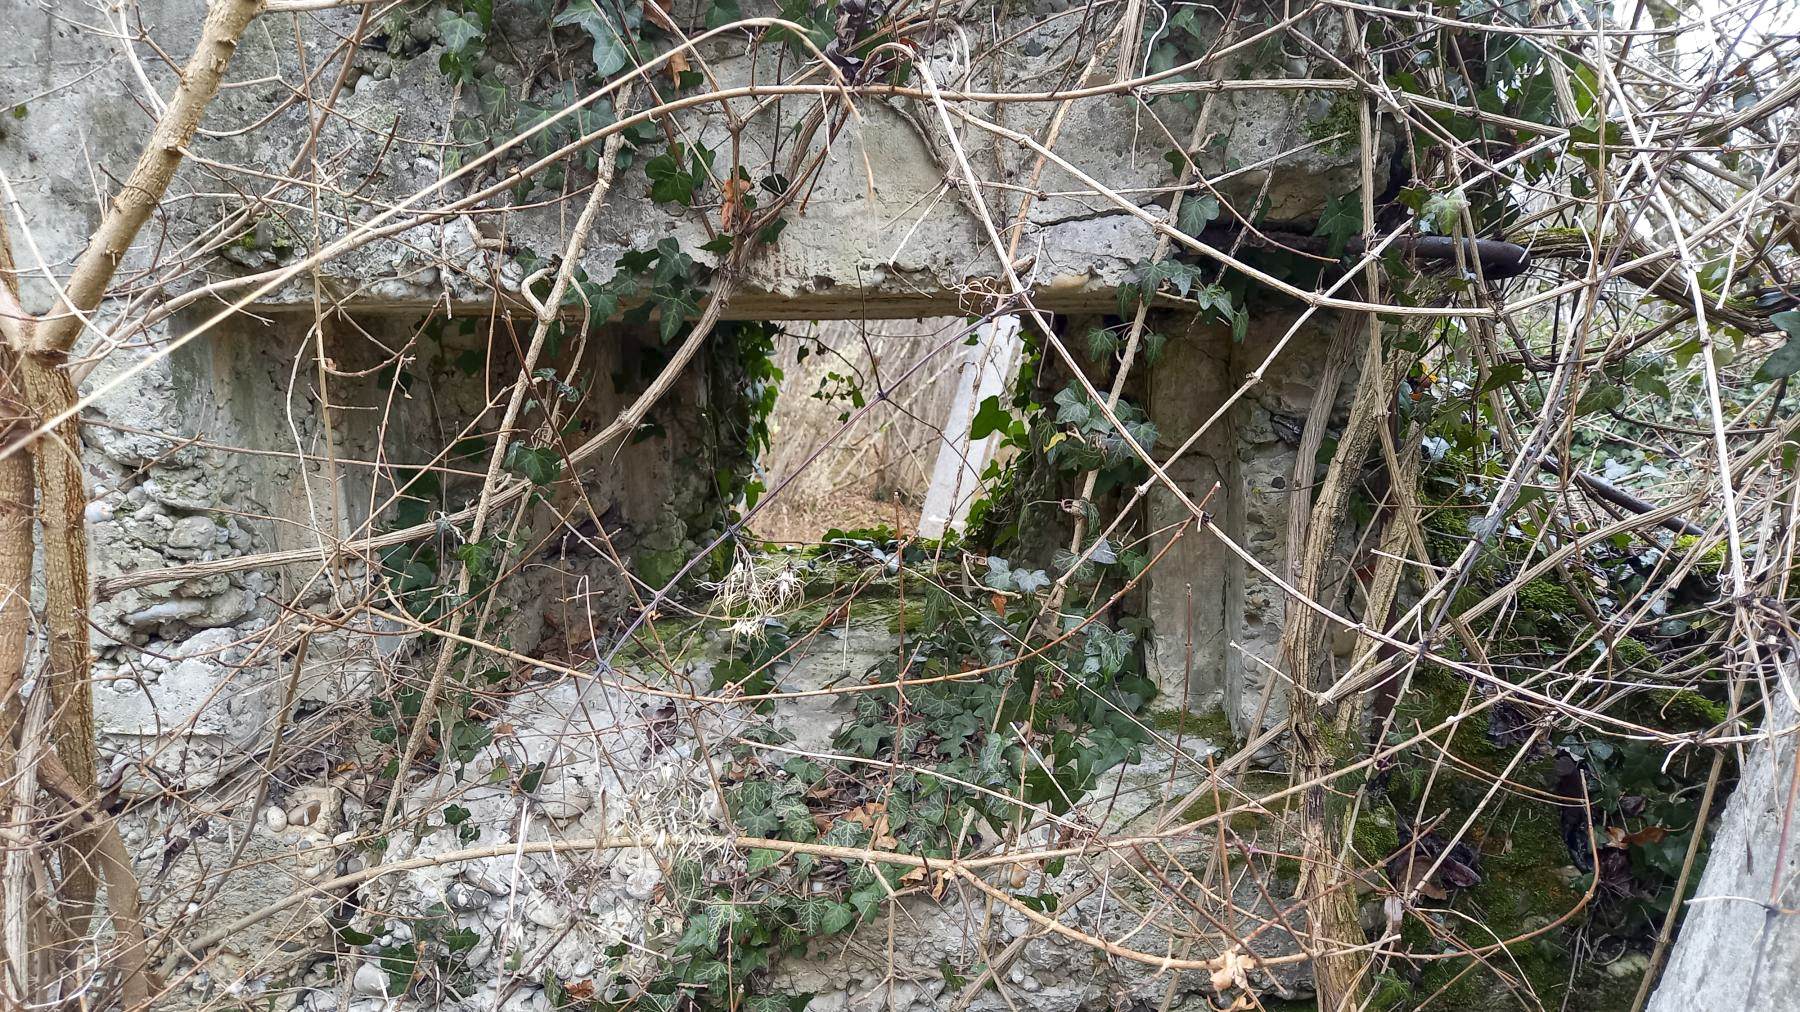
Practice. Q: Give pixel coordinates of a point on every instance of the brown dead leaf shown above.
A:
(678, 65)
(1233, 971)
(999, 604)
(732, 212)
(868, 815)
(660, 17)
(1649, 834)
(580, 990)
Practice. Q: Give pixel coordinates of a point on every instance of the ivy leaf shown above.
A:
(1601, 398)
(459, 31)
(991, 418)
(1030, 581)
(1342, 220)
(491, 93)
(1504, 374)
(758, 822)
(602, 303)
(865, 899)
(1107, 649)
(1181, 276)
(675, 309)
(999, 575)
(812, 914)
(538, 465)
(350, 936)
(762, 857)
(610, 43)
(670, 182)
(866, 738)
(720, 13)
(700, 933)
(836, 918)
(1073, 406)
(1785, 360)
(1195, 214)
(399, 962)
(1440, 211)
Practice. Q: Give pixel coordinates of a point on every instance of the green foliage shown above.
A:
(1085, 439)
(749, 381)
(1341, 221)
(1785, 360)
(678, 173)
(434, 961)
(956, 744)
(611, 26)
(1188, 280)
(539, 465)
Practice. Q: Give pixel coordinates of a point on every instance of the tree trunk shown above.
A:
(62, 504)
(16, 550)
(1327, 888)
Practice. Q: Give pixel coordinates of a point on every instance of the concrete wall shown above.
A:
(881, 234)
(1218, 621)
(194, 457)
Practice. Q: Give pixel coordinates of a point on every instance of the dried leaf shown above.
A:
(660, 17)
(731, 210)
(999, 600)
(1233, 971)
(868, 815)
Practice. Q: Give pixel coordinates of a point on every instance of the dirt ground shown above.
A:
(801, 519)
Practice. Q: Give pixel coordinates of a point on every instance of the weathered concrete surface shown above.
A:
(1739, 943)
(1218, 622)
(881, 232)
(198, 459)
(198, 456)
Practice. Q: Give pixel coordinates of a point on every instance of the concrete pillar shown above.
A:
(987, 371)
(1218, 623)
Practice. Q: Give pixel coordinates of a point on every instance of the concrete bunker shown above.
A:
(244, 483)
